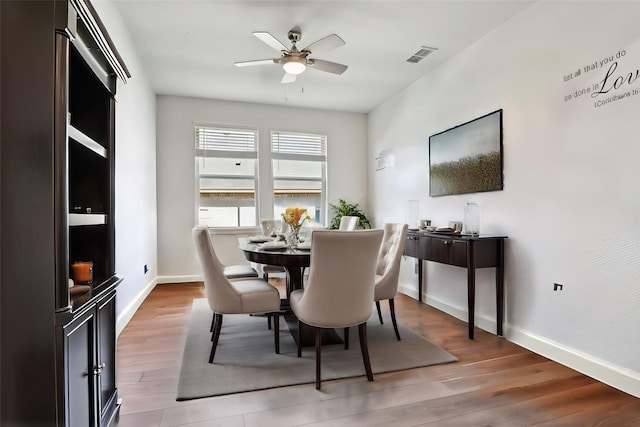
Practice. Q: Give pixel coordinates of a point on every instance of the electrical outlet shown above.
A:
(557, 287)
(146, 269)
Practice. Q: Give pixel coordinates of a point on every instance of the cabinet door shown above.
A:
(80, 370)
(106, 328)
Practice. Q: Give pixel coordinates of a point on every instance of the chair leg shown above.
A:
(269, 321)
(276, 330)
(379, 312)
(364, 348)
(392, 309)
(318, 346)
(217, 325)
(213, 317)
(346, 338)
(299, 339)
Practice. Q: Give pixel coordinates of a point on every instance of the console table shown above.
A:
(470, 252)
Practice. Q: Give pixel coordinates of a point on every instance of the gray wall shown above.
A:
(346, 155)
(570, 205)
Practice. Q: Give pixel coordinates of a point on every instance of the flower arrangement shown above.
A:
(295, 217)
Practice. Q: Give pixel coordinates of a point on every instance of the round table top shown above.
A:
(286, 257)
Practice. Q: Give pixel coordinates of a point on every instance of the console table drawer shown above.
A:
(417, 247)
(449, 251)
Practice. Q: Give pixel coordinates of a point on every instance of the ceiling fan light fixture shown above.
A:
(294, 65)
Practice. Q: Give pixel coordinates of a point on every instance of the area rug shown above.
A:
(246, 360)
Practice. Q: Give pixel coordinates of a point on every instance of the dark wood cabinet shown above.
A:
(88, 353)
(469, 252)
(57, 141)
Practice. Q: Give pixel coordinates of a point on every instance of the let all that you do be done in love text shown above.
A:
(611, 80)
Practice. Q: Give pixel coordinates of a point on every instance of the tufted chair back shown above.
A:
(388, 267)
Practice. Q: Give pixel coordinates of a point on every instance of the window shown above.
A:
(226, 165)
(299, 163)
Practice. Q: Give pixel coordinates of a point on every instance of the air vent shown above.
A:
(421, 54)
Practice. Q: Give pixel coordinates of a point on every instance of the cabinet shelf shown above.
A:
(87, 219)
(86, 141)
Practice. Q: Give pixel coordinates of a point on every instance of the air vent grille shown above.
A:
(421, 54)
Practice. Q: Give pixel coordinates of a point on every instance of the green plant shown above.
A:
(347, 209)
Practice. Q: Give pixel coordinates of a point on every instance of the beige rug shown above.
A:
(246, 360)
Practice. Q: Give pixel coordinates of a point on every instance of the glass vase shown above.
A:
(471, 224)
(293, 237)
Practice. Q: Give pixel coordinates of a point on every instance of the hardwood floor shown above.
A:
(495, 382)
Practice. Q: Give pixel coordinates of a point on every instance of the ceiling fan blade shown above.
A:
(256, 62)
(270, 41)
(329, 67)
(288, 78)
(325, 44)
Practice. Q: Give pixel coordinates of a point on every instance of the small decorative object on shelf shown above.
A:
(471, 223)
(294, 218)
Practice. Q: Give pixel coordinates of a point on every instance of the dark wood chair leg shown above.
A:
(392, 309)
(269, 321)
(276, 330)
(213, 318)
(364, 348)
(299, 339)
(318, 346)
(346, 338)
(217, 326)
(379, 312)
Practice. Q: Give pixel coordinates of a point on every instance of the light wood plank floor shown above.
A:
(495, 382)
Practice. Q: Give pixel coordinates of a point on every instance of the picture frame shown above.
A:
(467, 158)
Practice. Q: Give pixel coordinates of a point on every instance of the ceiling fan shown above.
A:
(295, 61)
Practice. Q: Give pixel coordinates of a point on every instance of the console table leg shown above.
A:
(500, 288)
(471, 287)
(419, 280)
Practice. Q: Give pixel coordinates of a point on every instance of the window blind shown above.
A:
(225, 139)
(299, 144)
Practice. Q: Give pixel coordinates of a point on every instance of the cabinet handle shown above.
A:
(448, 242)
(98, 371)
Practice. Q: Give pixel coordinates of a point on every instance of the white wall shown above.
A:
(570, 204)
(176, 116)
(136, 219)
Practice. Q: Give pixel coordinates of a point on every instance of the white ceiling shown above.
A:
(188, 47)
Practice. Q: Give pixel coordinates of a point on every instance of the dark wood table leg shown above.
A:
(307, 333)
(500, 287)
(471, 286)
(294, 279)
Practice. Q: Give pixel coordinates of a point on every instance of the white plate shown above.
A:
(260, 239)
(305, 246)
(273, 246)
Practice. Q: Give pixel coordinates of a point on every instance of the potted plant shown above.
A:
(347, 209)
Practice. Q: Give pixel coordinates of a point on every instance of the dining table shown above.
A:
(295, 261)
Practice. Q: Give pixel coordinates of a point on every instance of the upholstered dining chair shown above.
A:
(242, 296)
(236, 271)
(269, 227)
(339, 291)
(388, 269)
(349, 223)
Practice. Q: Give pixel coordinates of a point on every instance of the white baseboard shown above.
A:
(125, 316)
(179, 279)
(621, 378)
(615, 376)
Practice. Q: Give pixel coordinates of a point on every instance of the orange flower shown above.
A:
(295, 217)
